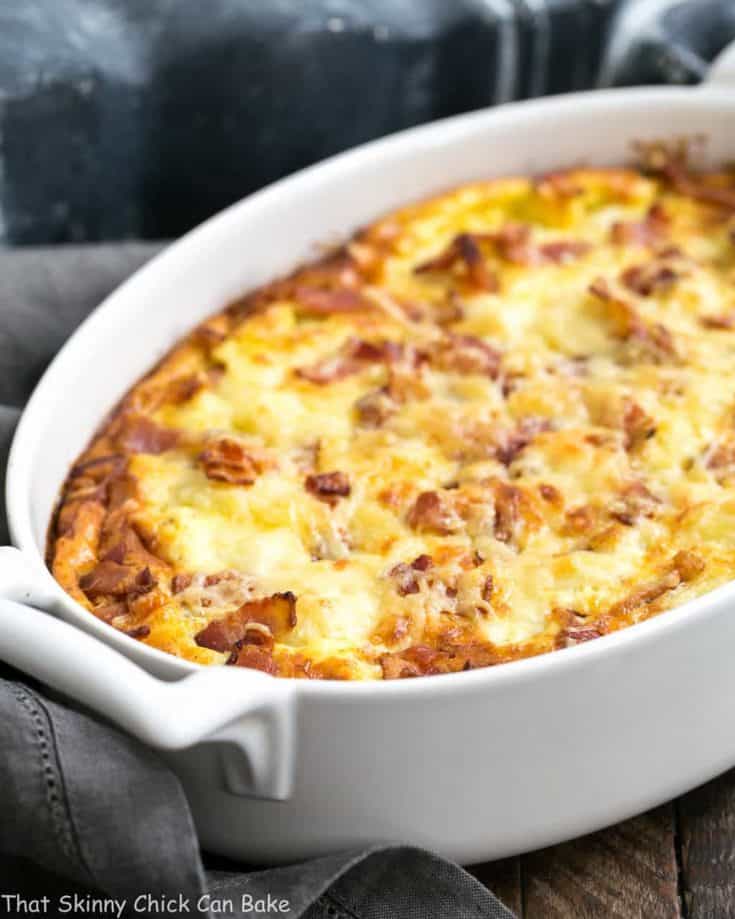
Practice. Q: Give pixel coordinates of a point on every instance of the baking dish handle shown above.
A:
(722, 69)
(249, 714)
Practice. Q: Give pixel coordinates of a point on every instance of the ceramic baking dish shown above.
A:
(475, 765)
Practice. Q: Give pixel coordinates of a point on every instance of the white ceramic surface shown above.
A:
(475, 765)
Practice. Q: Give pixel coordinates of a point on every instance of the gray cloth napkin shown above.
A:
(86, 809)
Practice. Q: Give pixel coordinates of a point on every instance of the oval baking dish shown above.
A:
(475, 765)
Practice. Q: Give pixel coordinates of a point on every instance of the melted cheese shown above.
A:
(581, 537)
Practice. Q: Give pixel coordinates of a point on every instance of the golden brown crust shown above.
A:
(503, 452)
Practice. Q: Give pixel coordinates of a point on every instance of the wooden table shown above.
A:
(675, 862)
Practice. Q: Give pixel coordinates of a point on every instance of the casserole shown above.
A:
(491, 425)
(474, 765)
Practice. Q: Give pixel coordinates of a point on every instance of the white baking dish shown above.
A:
(475, 765)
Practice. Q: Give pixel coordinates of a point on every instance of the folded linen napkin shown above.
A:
(87, 810)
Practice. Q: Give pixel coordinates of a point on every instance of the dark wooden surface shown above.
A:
(675, 862)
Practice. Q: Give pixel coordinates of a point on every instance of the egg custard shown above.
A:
(496, 423)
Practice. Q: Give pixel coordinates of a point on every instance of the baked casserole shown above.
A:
(496, 423)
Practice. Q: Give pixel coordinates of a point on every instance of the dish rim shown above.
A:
(19, 487)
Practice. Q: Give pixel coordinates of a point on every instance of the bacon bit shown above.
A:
(92, 480)
(182, 389)
(254, 657)
(122, 491)
(721, 457)
(507, 511)
(431, 512)
(725, 321)
(123, 544)
(514, 244)
(579, 519)
(100, 467)
(375, 408)
(141, 434)
(180, 582)
(638, 427)
(210, 333)
(334, 368)
(558, 185)
(600, 288)
(463, 250)
(139, 632)
(515, 442)
(656, 339)
(562, 251)
(487, 588)
(422, 563)
(688, 564)
(405, 578)
(654, 226)
(110, 578)
(635, 501)
(226, 459)
(646, 594)
(312, 301)
(577, 634)
(450, 310)
(646, 279)
(108, 612)
(328, 486)
(695, 187)
(420, 660)
(549, 493)
(467, 354)
(277, 613)
(352, 357)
